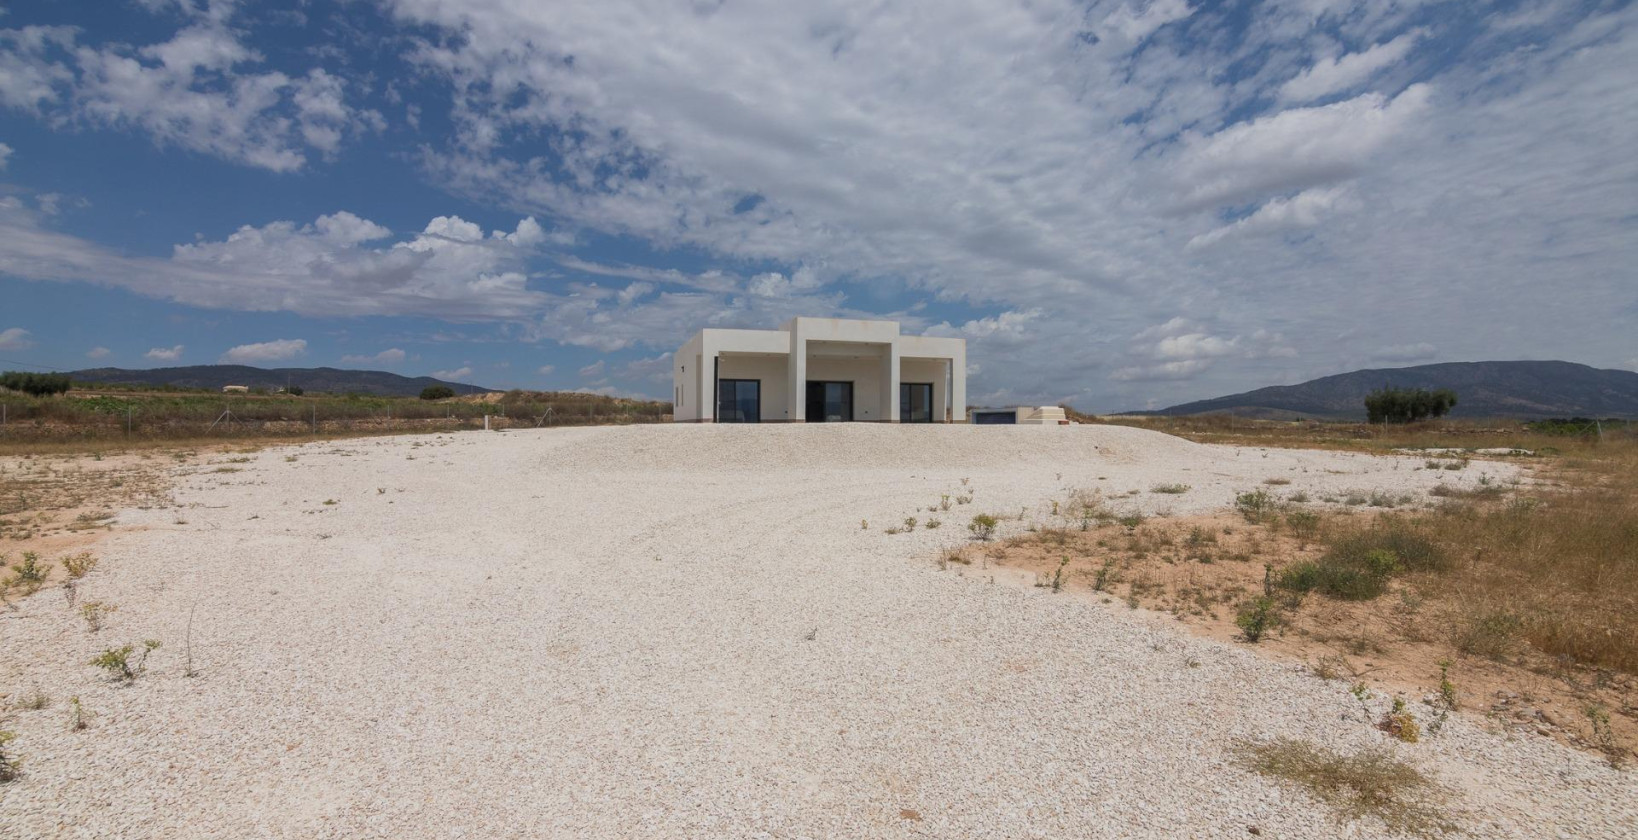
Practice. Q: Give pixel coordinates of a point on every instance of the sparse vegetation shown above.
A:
(982, 526)
(10, 764)
(1170, 489)
(1256, 506)
(79, 565)
(1371, 783)
(1400, 723)
(1257, 617)
(96, 614)
(120, 664)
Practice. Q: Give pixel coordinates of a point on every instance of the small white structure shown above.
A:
(1024, 415)
(820, 370)
(235, 389)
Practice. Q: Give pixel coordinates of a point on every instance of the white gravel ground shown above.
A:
(683, 631)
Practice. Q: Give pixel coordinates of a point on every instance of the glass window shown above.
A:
(739, 401)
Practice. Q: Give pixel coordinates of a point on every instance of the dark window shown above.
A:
(739, 401)
(830, 402)
(916, 402)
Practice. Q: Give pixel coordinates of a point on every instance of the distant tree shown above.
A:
(294, 390)
(1408, 405)
(437, 392)
(35, 384)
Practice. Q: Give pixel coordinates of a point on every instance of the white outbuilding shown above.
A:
(820, 370)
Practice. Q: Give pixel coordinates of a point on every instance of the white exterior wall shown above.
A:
(770, 370)
(935, 371)
(870, 354)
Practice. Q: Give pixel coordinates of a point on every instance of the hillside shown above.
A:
(1485, 389)
(331, 380)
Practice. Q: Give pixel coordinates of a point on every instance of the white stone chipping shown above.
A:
(683, 631)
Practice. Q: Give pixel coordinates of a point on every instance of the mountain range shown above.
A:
(1483, 389)
(331, 380)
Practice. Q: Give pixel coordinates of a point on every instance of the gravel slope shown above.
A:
(683, 631)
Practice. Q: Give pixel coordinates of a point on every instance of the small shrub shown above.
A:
(76, 715)
(1256, 506)
(1170, 489)
(437, 392)
(933, 523)
(1105, 574)
(864, 524)
(79, 565)
(1058, 576)
(1131, 520)
(1276, 482)
(1304, 524)
(28, 574)
(982, 526)
(1491, 634)
(95, 614)
(1298, 497)
(1400, 723)
(10, 765)
(1603, 737)
(1256, 617)
(119, 663)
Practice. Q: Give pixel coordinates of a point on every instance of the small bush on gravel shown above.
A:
(1400, 723)
(1371, 783)
(119, 664)
(29, 574)
(1256, 617)
(95, 614)
(79, 565)
(1170, 489)
(983, 526)
(10, 765)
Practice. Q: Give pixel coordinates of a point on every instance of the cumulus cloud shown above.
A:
(1303, 210)
(15, 338)
(97, 353)
(455, 375)
(5, 155)
(265, 351)
(545, 370)
(196, 90)
(339, 264)
(390, 356)
(164, 354)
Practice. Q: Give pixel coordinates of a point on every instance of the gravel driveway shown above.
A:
(683, 631)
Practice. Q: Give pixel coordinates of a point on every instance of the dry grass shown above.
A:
(1531, 589)
(1367, 784)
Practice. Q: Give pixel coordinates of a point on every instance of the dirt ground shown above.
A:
(1199, 569)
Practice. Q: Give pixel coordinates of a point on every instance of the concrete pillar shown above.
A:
(941, 395)
(890, 383)
(707, 364)
(796, 374)
(958, 385)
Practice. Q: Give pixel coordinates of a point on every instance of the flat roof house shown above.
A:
(820, 370)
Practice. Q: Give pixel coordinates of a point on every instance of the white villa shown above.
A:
(820, 370)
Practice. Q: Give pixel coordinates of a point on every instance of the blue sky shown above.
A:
(1124, 204)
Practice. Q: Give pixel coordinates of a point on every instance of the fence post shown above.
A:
(486, 421)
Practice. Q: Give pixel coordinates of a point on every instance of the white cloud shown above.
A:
(1292, 150)
(545, 370)
(15, 338)
(266, 351)
(337, 265)
(164, 354)
(193, 91)
(1303, 210)
(98, 353)
(1346, 72)
(593, 370)
(5, 155)
(390, 356)
(455, 375)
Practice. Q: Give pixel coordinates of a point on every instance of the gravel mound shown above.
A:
(684, 632)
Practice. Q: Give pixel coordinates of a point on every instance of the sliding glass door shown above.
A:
(830, 402)
(739, 401)
(916, 402)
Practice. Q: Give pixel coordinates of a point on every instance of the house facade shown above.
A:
(820, 370)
